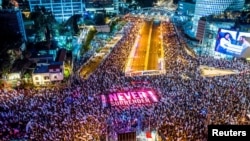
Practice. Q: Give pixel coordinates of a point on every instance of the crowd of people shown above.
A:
(185, 108)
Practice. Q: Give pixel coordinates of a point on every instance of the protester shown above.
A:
(185, 108)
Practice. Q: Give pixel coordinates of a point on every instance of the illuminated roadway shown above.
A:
(138, 62)
(155, 47)
(148, 49)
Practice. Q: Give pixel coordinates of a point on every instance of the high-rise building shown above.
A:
(186, 7)
(208, 7)
(209, 16)
(0, 4)
(110, 6)
(11, 24)
(64, 9)
(205, 8)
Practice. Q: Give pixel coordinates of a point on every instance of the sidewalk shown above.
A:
(207, 71)
(92, 64)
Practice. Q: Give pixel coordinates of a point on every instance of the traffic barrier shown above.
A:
(142, 73)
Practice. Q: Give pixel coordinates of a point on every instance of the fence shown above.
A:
(143, 73)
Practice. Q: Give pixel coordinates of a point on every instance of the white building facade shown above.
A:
(46, 74)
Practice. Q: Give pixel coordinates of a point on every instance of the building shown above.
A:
(107, 6)
(209, 17)
(45, 58)
(61, 55)
(209, 26)
(207, 7)
(186, 8)
(14, 76)
(207, 32)
(245, 27)
(204, 8)
(49, 64)
(46, 74)
(11, 24)
(47, 70)
(1, 4)
(64, 9)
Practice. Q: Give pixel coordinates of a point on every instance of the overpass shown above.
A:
(158, 13)
(147, 55)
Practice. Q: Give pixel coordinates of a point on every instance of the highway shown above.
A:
(155, 47)
(148, 49)
(138, 62)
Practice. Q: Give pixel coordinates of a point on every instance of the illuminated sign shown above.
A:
(233, 43)
(129, 98)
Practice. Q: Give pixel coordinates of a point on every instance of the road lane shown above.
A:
(155, 47)
(138, 62)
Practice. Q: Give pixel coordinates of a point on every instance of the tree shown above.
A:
(145, 3)
(86, 45)
(72, 23)
(44, 22)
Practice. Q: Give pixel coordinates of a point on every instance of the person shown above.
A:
(224, 43)
(243, 42)
(245, 46)
(227, 46)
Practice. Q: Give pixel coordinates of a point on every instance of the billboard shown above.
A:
(126, 98)
(233, 43)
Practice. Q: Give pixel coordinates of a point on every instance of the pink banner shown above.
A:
(130, 97)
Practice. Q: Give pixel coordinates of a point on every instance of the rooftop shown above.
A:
(45, 68)
(54, 66)
(61, 55)
(41, 69)
(56, 63)
(42, 56)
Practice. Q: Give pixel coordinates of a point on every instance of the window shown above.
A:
(57, 1)
(47, 82)
(46, 78)
(55, 77)
(36, 78)
(210, 36)
(45, 1)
